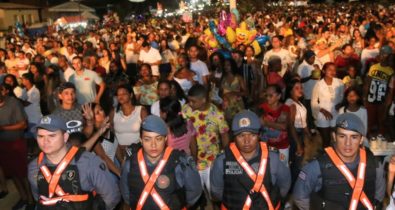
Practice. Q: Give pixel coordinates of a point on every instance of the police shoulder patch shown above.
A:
(103, 166)
(302, 175)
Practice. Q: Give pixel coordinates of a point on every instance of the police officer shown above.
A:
(247, 175)
(346, 176)
(159, 177)
(64, 177)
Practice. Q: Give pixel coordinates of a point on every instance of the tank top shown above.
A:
(127, 128)
(300, 115)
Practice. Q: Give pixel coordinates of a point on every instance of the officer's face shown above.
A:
(153, 145)
(247, 142)
(51, 142)
(347, 143)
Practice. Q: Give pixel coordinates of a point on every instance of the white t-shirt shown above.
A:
(155, 108)
(304, 70)
(361, 113)
(130, 56)
(151, 56)
(67, 74)
(326, 97)
(85, 85)
(200, 69)
(33, 111)
(285, 59)
(22, 65)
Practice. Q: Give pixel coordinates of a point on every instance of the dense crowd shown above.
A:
(320, 61)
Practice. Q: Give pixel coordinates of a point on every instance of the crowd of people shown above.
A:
(143, 111)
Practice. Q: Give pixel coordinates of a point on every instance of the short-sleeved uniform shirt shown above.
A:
(381, 76)
(209, 125)
(85, 85)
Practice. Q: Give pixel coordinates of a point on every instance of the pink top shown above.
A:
(182, 142)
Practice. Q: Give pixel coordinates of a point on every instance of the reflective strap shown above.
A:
(67, 198)
(357, 186)
(59, 170)
(247, 204)
(258, 179)
(223, 207)
(40, 158)
(47, 175)
(150, 180)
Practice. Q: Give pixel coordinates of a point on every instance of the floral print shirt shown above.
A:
(209, 125)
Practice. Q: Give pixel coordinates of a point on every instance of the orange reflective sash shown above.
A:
(257, 178)
(356, 185)
(150, 180)
(53, 180)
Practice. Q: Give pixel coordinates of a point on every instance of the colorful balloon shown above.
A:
(236, 13)
(262, 39)
(257, 47)
(230, 35)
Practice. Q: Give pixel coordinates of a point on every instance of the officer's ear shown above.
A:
(361, 140)
(65, 136)
(333, 135)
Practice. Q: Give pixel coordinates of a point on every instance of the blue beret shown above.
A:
(52, 123)
(245, 121)
(155, 124)
(351, 122)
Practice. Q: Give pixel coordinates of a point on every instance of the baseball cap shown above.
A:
(155, 124)
(52, 123)
(351, 122)
(309, 54)
(245, 121)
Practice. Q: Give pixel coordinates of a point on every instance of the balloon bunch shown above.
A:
(226, 33)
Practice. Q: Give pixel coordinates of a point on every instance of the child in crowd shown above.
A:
(352, 79)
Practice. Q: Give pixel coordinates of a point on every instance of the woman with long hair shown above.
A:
(105, 60)
(184, 75)
(182, 134)
(353, 103)
(127, 120)
(233, 90)
(327, 92)
(146, 87)
(358, 42)
(107, 144)
(11, 80)
(275, 122)
(177, 92)
(52, 81)
(297, 115)
(168, 59)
